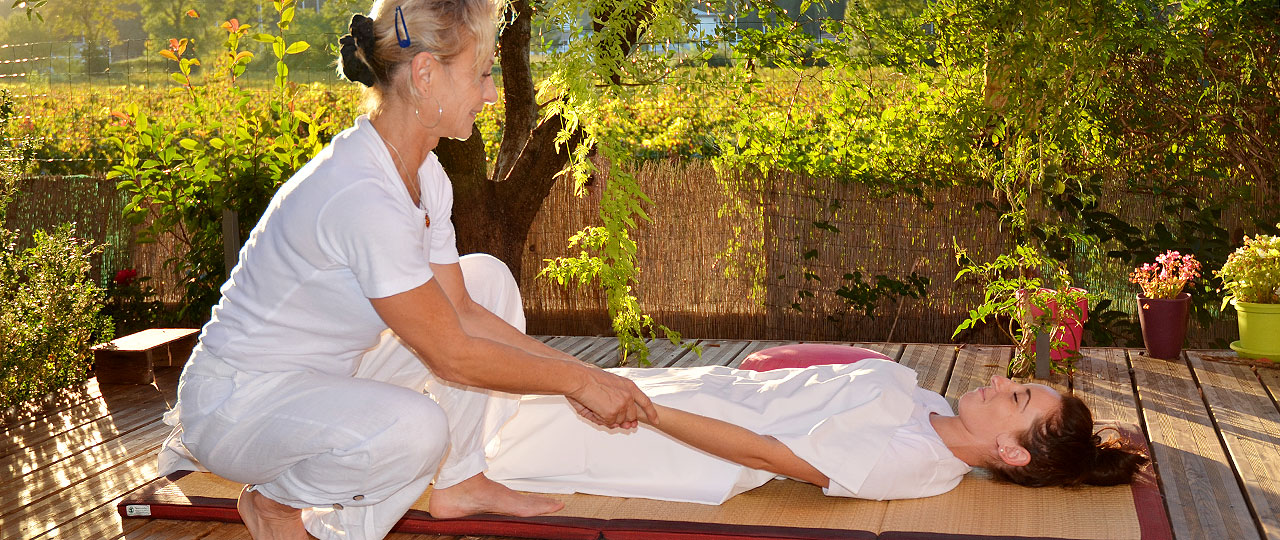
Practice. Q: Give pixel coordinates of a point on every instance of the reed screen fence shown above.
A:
(687, 281)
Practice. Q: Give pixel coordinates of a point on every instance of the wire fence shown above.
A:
(132, 62)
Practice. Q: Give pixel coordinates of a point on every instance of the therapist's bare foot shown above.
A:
(480, 495)
(268, 519)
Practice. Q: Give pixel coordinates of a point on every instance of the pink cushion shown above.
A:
(806, 354)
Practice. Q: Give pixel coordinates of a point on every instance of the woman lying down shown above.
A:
(862, 430)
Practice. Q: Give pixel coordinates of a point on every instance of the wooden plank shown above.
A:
(570, 344)
(932, 364)
(715, 352)
(1200, 490)
(892, 350)
(79, 498)
(1103, 382)
(45, 473)
(147, 339)
(160, 529)
(602, 352)
(49, 404)
(1270, 375)
(662, 353)
(974, 367)
(21, 439)
(102, 521)
(1250, 426)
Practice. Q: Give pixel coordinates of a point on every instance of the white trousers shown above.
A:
(354, 453)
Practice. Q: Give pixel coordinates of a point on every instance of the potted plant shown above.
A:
(1026, 306)
(1251, 277)
(1163, 305)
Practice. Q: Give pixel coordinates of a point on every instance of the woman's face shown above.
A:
(1005, 407)
(464, 92)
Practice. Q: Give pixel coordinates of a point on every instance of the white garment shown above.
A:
(355, 452)
(864, 425)
(297, 386)
(342, 230)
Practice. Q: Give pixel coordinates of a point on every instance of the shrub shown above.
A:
(51, 306)
(51, 314)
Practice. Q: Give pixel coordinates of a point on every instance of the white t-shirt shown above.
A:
(341, 231)
(865, 426)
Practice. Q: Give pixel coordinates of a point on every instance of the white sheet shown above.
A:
(840, 418)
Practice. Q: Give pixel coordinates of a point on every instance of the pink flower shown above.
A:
(125, 277)
(1168, 276)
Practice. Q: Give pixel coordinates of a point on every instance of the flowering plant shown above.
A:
(1168, 276)
(132, 303)
(1252, 271)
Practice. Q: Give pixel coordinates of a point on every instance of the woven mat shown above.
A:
(978, 508)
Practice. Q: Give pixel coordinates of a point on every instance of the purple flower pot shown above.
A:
(1164, 324)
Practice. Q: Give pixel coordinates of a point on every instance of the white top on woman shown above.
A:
(299, 299)
(865, 426)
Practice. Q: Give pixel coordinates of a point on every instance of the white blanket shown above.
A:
(842, 419)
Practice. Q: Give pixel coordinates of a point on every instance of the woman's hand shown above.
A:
(612, 401)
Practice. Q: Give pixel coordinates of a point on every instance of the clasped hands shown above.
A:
(612, 401)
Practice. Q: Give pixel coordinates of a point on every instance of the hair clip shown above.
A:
(400, 22)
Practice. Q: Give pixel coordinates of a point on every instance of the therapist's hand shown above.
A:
(612, 401)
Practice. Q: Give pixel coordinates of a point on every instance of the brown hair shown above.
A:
(372, 54)
(1066, 451)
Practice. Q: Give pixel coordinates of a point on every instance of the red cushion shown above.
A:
(806, 354)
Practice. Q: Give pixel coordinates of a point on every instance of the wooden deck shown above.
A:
(1214, 423)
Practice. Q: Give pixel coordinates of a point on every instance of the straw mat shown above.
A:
(978, 508)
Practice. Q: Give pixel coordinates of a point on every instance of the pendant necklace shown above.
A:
(412, 184)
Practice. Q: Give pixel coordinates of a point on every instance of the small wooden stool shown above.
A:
(131, 359)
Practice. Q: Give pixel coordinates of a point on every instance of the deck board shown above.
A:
(1270, 376)
(1102, 380)
(38, 430)
(1250, 427)
(932, 364)
(55, 401)
(715, 352)
(892, 350)
(974, 367)
(602, 352)
(72, 455)
(1200, 490)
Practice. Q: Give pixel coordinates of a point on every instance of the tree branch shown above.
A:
(517, 84)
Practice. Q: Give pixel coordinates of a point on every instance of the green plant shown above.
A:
(199, 176)
(1252, 271)
(1168, 276)
(131, 302)
(1022, 304)
(51, 313)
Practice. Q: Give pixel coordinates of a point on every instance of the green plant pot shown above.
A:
(1259, 330)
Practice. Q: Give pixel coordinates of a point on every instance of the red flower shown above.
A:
(125, 277)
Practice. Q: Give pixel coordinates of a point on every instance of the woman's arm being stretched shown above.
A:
(737, 444)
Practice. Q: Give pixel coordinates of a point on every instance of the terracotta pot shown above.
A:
(1164, 324)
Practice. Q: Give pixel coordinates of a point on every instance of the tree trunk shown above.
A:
(494, 215)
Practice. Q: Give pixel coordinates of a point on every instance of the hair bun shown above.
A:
(361, 38)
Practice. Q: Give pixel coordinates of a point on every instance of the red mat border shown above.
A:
(1149, 504)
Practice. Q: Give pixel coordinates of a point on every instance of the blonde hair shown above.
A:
(440, 27)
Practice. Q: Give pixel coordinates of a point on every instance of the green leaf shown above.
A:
(297, 47)
(178, 78)
(277, 47)
(189, 144)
